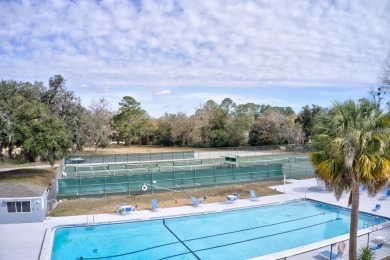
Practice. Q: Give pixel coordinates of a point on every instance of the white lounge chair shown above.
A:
(252, 195)
(230, 199)
(382, 239)
(195, 202)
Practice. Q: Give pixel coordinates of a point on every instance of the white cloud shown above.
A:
(164, 92)
(123, 46)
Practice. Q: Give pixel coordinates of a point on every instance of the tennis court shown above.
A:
(131, 181)
(150, 177)
(128, 158)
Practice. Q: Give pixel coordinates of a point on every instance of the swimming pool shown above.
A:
(233, 234)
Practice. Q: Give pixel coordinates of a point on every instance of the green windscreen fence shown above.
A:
(109, 179)
(135, 183)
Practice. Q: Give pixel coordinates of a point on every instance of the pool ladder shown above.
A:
(90, 222)
(370, 223)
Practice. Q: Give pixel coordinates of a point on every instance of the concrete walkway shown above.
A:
(34, 240)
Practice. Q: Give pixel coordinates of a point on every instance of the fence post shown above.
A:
(195, 179)
(215, 177)
(174, 179)
(152, 183)
(305, 169)
(269, 177)
(80, 185)
(234, 173)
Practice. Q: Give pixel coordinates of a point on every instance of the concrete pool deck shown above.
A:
(34, 240)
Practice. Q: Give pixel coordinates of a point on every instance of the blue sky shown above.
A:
(173, 56)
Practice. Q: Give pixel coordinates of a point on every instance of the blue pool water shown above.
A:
(235, 234)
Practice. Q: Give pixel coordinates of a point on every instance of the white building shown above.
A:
(22, 203)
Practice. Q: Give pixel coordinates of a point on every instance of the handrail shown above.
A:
(43, 240)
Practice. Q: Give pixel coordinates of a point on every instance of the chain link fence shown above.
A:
(128, 157)
(204, 153)
(130, 183)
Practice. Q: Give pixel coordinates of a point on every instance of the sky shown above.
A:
(173, 56)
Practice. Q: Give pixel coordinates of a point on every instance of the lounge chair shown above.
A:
(118, 210)
(230, 199)
(195, 202)
(236, 195)
(377, 208)
(385, 197)
(155, 206)
(376, 247)
(135, 209)
(252, 195)
(382, 240)
(330, 255)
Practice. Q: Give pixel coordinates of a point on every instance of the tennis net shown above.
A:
(91, 168)
(120, 172)
(188, 167)
(95, 173)
(184, 163)
(140, 165)
(262, 162)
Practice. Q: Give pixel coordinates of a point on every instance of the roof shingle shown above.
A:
(19, 190)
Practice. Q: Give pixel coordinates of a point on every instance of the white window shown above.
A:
(18, 206)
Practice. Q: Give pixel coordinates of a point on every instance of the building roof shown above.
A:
(20, 190)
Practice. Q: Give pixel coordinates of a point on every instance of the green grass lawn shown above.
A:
(40, 177)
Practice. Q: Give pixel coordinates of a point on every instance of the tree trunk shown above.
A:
(354, 221)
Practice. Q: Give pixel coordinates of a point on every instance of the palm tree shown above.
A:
(365, 253)
(350, 147)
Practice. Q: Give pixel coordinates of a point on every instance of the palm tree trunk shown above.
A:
(354, 221)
